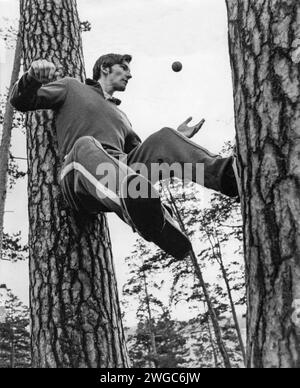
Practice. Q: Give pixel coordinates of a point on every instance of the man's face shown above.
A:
(119, 76)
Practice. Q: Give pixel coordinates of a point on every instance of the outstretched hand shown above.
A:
(187, 131)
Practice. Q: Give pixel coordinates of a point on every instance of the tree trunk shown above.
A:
(264, 46)
(211, 341)
(198, 272)
(6, 138)
(153, 352)
(12, 348)
(76, 319)
(219, 256)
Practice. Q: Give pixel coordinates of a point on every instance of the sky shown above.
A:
(155, 33)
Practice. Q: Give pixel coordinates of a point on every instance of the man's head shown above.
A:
(113, 71)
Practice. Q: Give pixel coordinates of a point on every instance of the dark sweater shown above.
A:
(81, 110)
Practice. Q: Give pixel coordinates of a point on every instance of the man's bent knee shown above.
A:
(161, 136)
(83, 140)
(165, 132)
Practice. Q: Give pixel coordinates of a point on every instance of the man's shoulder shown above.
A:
(73, 84)
(71, 80)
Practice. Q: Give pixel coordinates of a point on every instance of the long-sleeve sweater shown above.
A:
(81, 110)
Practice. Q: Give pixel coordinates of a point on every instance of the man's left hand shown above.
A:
(187, 131)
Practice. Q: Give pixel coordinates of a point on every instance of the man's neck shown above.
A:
(107, 89)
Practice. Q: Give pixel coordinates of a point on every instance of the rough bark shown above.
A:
(76, 320)
(6, 138)
(264, 41)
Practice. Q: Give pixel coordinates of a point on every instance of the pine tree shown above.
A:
(216, 227)
(171, 343)
(13, 249)
(15, 335)
(157, 341)
(264, 53)
(75, 313)
(6, 122)
(140, 286)
(199, 275)
(218, 235)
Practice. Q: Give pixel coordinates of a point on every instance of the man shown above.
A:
(106, 167)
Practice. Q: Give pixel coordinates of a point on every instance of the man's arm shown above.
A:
(29, 93)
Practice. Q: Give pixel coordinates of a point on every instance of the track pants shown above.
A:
(91, 176)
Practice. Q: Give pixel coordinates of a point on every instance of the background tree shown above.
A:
(15, 335)
(75, 314)
(199, 274)
(7, 125)
(13, 249)
(218, 228)
(264, 51)
(9, 119)
(225, 291)
(157, 341)
(202, 343)
(171, 343)
(140, 286)
(212, 227)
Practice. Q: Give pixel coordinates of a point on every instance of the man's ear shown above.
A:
(105, 69)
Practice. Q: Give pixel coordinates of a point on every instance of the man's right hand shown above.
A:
(42, 71)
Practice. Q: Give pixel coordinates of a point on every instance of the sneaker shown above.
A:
(172, 240)
(230, 184)
(149, 218)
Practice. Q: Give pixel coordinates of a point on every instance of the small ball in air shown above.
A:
(176, 66)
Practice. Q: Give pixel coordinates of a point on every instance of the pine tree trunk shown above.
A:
(232, 306)
(154, 356)
(211, 341)
(264, 45)
(76, 319)
(6, 138)
(12, 348)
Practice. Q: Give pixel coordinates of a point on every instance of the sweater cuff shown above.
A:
(30, 83)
